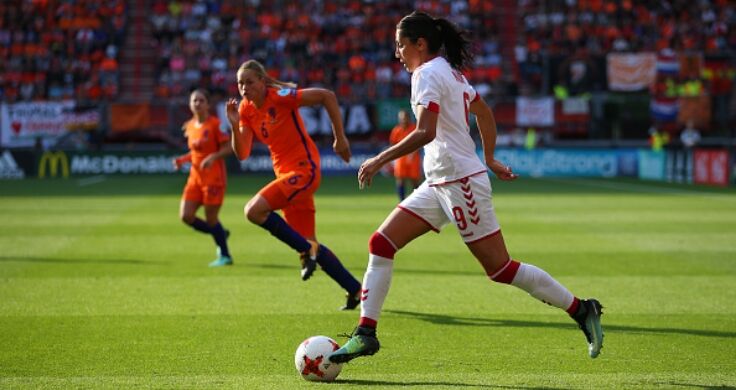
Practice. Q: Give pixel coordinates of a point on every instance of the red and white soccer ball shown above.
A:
(312, 359)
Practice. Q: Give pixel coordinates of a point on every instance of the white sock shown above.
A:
(542, 286)
(376, 281)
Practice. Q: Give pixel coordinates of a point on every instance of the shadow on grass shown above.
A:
(705, 387)
(282, 265)
(56, 260)
(363, 382)
(470, 321)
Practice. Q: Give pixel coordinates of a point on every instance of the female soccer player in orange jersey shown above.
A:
(407, 169)
(269, 111)
(208, 147)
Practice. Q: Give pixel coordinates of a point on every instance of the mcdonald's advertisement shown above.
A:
(21, 124)
(64, 164)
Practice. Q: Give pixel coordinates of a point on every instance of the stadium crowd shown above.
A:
(347, 46)
(59, 49)
(583, 30)
(53, 49)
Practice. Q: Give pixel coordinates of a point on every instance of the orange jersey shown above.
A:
(407, 166)
(204, 139)
(277, 123)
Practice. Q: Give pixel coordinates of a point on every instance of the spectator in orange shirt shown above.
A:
(205, 186)
(270, 112)
(406, 168)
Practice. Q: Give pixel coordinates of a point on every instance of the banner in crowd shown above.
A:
(129, 117)
(668, 62)
(711, 167)
(357, 119)
(535, 111)
(65, 164)
(631, 71)
(664, 109)
(9, 167)
(260, 161)
(561, 162)
(21, 124)
(651, 165)
(696, 109)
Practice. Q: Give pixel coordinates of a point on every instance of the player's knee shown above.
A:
(253, 214)
(187, 218)
(379, 245)
(506, 273)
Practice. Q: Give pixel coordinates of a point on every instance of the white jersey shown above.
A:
(440, 88)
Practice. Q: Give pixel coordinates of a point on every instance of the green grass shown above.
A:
(101, 286)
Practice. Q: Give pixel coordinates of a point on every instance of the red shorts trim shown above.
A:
(484, 237)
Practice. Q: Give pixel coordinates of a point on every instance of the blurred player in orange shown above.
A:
(270, 112)
(407, 168)
(208, 147)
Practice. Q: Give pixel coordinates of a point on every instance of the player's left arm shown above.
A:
(327, 98)
(487, 127)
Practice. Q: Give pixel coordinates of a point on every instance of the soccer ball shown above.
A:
(312, 359)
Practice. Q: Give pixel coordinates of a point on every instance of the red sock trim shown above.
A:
(367, 322)
(379, 245)
(507, 272)
(573, 306)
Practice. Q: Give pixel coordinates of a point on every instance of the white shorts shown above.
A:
(467, 202)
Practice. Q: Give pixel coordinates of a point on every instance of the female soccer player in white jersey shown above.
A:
(457, 188)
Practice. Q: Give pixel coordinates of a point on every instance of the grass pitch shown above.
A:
(101, 286)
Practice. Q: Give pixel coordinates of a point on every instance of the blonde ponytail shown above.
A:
(259, 70)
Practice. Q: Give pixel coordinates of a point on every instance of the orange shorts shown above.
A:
(407, 167)
(210, 194)
(293, 193)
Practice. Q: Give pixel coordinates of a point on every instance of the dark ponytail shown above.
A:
(439, 33)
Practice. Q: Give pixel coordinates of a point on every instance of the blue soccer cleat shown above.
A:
(221, 261)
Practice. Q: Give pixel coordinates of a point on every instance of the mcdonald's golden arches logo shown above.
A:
(55, 161)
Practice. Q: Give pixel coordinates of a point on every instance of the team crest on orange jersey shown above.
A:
(285, 91)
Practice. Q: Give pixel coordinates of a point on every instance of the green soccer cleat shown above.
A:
(588, 318)
(362, 343)
(221, 261)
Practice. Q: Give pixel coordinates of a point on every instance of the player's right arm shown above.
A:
(242, 139)
(184, 158)
(181, 160)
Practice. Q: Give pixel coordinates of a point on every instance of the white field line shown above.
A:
(88, 181)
